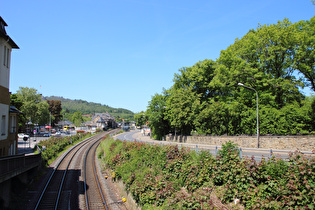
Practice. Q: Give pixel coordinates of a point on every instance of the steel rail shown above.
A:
(81, 144)
(97, 179)
(85, 185)
(95, 174)
(64, 174)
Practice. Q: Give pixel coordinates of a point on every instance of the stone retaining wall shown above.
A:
(301, 143)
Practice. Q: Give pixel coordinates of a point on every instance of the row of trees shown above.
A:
(277, 60)
(37, 109)
(34, 109)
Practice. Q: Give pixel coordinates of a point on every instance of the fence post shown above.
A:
(240, 152)
(270, 153)
(38, 149)
(216, 150)
(196, 148)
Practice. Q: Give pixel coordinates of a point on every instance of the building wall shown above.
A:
(12, 136)
(8, 135)
(5, 58)
(4, 143)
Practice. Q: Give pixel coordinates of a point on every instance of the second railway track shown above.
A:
(65, 185)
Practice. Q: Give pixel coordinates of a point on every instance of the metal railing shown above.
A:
(11, 166)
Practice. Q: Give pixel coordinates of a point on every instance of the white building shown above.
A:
(8, 115)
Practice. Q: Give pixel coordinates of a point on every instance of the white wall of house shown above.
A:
(5, 57)
(4, 121)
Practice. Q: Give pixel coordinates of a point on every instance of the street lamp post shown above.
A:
(241, 84)
(49, 123)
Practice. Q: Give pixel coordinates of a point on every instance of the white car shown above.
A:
(22, 135)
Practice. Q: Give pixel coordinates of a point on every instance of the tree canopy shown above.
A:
(30, 102)
(88, 108)
(55, 110)
(276, 60)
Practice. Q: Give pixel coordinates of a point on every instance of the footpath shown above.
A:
(141, 137)
(26, 147)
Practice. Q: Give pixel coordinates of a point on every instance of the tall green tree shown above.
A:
(55, 110)
(206, 97)
(141, 118)
(312, 113)
(156, 114)
(198, 78)
(42, 113)
(77, 118)
(34, 109)
(17, 103)
(304, 57)
(263, 59)
(181, 108)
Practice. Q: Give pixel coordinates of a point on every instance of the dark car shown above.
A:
(46, 134)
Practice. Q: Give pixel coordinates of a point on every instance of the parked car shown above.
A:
(46, 134)
(57, 134)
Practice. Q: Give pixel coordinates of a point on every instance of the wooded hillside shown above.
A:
(72, 106)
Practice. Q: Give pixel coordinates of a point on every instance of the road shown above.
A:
(27, 146)
(127, 136)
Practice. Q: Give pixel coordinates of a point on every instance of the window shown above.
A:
(4, 55)
(12, 124)
(3, 125)
(8, 57)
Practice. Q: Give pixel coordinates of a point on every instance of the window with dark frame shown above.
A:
(12, 124)
(8, 57)
(3, 125)
(4, 55)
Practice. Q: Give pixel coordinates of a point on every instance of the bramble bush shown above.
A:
(55, 145)
(169, 177)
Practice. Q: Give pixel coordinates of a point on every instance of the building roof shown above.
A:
(63, 123)
(101, 120)
(104, 116)
(3, 34)
(14, 110)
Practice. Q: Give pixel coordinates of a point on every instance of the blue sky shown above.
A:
(121, 52)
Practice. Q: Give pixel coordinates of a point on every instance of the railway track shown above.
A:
(65, 185)
(94, 197)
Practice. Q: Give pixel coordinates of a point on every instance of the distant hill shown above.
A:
(90, 107)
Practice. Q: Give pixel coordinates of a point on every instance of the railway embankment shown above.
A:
(172, 177)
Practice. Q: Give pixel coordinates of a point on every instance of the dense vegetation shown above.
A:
(34, 109)
(277, 60)
(71, 106)
(39, 110)
(166, 177)
(53, 146)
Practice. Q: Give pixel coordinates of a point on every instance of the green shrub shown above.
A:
(167, 177)
(55, 145)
